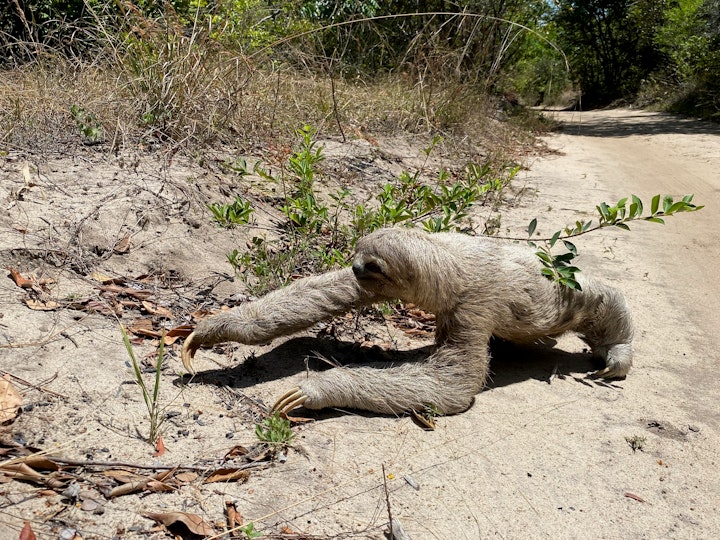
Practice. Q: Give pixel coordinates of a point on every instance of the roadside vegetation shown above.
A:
(267, 79)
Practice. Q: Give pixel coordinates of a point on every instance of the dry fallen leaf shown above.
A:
(124, 477)
(21, 471)
(140, 294)
(105, 279)
(41, 462)
(10, 401)
(154, 309)
(159, 487)
(130, 487)
(27, 533)
(39, 305)
(159, 447)
(19, 280)
(236, 451)
(184, 330)
(90, 501)
(201, 314)
(234, 519)
(228, 475)
(424, 419)
(122, 245)
(186, 477)
(144, 327)
(193, 522)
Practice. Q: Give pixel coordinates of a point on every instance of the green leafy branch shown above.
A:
(560, 269)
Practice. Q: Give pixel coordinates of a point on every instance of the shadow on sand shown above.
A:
(510, 363)
(588, 124)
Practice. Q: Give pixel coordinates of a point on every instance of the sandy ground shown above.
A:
(535, 457)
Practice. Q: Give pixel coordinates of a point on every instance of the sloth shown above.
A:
(477, 287)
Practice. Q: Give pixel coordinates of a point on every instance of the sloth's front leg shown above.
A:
(281, 312)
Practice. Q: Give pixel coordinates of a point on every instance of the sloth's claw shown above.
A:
(292, 399)
(600, 373)
(606, 373)
(188, 352)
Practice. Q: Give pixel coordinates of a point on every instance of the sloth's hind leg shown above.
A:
(608, 329)
(448, 381)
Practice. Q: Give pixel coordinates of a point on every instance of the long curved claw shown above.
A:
(292, 399)
(188, 352)
(606, 373)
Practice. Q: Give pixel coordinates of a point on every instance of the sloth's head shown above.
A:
(405, 264)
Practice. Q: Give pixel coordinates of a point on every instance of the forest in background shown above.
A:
(189, 68)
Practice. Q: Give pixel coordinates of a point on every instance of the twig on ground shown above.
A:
(91, 463)
(40, 387)
(396, 529)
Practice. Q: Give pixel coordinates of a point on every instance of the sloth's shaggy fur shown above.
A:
(476, 287)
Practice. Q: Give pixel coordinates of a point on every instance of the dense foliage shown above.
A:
(663, 50)
(618, 47)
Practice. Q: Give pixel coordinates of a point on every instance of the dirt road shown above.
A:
(669, 275)
(537, 456)
(534, 459)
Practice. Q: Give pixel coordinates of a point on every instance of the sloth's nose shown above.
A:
(358, 268)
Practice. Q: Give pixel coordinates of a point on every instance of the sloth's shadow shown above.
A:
(510, 363)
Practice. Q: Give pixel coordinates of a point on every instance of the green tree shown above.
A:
(690, 40)
(610, 44)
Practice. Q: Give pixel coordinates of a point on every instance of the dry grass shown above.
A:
(156, 83)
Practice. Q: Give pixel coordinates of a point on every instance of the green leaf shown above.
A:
(570, 247)
(555, 238)
(680, 206)
(667, 203)
(544, 257)
(531, 227)
(571, 283)
(655, 220)
(655, 204)
(623, 226)
(548, 272)
(638, 206)
(565, 257)
(604, 210)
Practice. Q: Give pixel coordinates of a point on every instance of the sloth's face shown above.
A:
(383, 265)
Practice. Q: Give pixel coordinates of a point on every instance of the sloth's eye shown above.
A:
(372, 268)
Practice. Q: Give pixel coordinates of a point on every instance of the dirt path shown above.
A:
(533, 458)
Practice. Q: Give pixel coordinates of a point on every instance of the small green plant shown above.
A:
(237, 166)
(636, 442)
(249, 530)
(275, 430)
(559, 268)
(306, 214)
(438, 207)
(427, 416)
(88, 124)
(234, 258)
(237, 212)
(150, 397)
(320, 234)
(266, 266)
